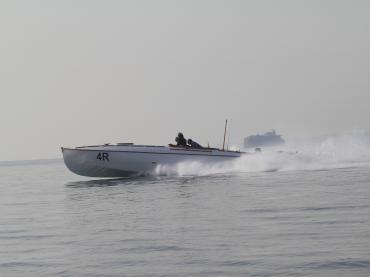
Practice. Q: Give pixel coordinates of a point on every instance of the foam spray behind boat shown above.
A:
(335, 151)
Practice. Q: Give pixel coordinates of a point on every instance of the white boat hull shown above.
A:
(131, 160)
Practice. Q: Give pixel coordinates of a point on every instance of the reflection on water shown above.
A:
(137, 180)
(105, 182)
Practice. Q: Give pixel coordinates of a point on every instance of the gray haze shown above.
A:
(87, 72)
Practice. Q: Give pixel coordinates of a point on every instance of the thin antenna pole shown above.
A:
(228, 135)
(223, 144)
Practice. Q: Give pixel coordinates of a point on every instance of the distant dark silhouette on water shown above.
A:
(267, 139)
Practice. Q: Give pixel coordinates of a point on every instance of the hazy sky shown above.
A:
(89, 72)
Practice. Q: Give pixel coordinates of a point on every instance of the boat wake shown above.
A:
(340, 151)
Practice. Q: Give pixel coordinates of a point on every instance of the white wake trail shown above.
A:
(340, 151)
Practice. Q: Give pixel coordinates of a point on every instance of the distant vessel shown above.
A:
(267, 139)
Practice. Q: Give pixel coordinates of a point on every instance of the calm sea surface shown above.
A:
(293, 223)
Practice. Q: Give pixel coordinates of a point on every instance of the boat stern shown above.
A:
(91, 163)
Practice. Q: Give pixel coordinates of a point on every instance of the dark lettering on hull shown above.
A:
(103, 156)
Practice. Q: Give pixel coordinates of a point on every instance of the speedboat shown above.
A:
(128, 159)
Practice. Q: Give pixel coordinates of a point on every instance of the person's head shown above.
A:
(190, 141)
(180, 135)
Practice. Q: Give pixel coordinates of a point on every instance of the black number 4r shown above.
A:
(103, 156)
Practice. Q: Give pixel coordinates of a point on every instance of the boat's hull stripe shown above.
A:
(161, 153)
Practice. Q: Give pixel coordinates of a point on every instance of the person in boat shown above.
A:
(194, 144)
(181, 141)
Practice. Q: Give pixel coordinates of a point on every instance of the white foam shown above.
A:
(340, 151)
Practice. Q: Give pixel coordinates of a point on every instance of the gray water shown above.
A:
(278, 223)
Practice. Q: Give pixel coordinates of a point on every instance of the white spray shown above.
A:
(340, 151)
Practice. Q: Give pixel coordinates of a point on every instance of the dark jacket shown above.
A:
(181, 141)
(194, 144)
